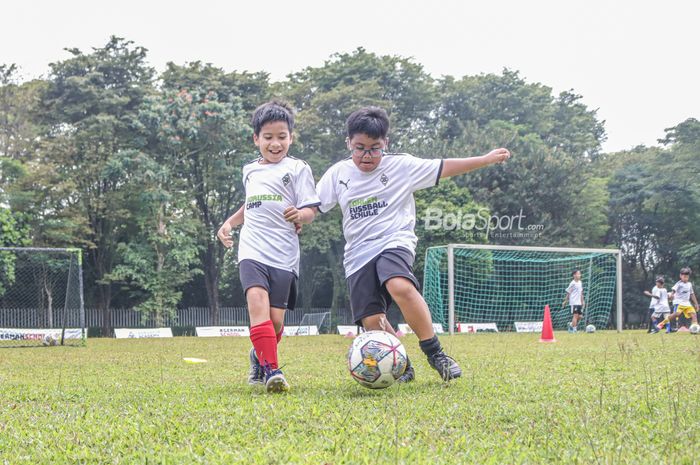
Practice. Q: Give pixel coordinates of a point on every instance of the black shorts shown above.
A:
(366, 286)
(577, 309)
(281, 285)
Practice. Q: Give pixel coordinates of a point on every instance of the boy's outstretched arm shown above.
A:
(457, 166)
(233, 221)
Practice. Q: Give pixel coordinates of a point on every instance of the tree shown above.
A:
(324, 97)
(91, 111)
(553, 139)
(161, 255)
(201, 124)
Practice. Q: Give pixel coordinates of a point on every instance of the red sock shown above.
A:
(265, 342)
(279, 335)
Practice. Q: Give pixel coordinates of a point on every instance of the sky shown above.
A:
(636, 62)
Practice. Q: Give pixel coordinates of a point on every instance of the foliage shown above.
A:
(107, 155)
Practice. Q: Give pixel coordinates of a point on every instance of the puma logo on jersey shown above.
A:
(247, 178)
(345, 183)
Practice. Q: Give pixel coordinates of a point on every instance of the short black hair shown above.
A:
(575, 271)
(372, 121)
(274, 110)
(660, 279)
(686, 270)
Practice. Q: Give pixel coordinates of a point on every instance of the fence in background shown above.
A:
(199, 316)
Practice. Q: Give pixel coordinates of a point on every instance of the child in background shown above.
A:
(682, 293)
(574, 294)
(661, 310)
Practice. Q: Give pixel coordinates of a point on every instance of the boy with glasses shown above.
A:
(375, 192)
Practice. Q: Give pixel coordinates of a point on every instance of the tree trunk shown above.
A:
(211, 282)
(339, 289)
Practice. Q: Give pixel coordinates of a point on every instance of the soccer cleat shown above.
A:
(408, 375)
(445, 366)
(256, 374)
(570, 328)
(660, 326)
(653, 331)
(275, 380)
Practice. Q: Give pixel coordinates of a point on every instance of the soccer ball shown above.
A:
(694, 328)
(376, 359)
(590, 329)
(50, 340)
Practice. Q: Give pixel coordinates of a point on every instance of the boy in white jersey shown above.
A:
(682, 293)
(375, 192)
(659, 297)
(574, 294)
(280, 193)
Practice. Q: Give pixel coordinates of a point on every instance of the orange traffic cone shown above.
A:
(547, 332)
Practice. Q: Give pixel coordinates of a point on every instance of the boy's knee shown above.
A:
(400, 288)
(256, 296)
(375, 322)
(277, 320)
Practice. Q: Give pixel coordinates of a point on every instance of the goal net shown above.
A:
(322, 322)
(41, 297)
(505, 285)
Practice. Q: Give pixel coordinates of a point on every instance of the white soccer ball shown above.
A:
(695, 328)
(590, 329)
(376, 359)
(50, 340)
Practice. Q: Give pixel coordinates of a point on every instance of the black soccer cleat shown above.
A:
(256, 374)
(409, 373)
(445, 366)
(275, 380)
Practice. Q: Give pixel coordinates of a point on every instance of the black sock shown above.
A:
(430, 346)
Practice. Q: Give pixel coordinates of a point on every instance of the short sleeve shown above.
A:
(571, 287)
(326, 192)
(675, 287)
(304, 188)
(421, 172)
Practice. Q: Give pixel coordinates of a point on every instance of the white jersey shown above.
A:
(270, 188)
(660, 304)
(379, 212)
(575, 291)
(682, 293)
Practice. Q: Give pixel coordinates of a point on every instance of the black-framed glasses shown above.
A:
(374, 153)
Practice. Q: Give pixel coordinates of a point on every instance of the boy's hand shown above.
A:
(297, 228)
(293, 215)
(224, 235)
(498, 155)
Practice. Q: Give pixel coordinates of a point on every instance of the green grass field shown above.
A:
(601, 398)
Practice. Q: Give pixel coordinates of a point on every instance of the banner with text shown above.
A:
(25, 334)
(140, 333)
(477, 328)
(348, 330)
(222, 331)
(300, 330)
(528, 326)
